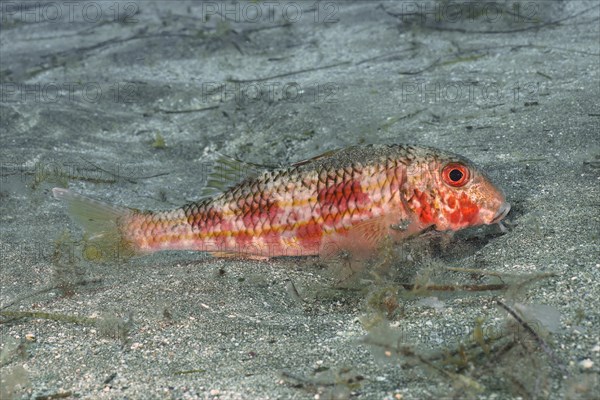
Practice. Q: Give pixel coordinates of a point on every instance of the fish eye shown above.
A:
(455, 174)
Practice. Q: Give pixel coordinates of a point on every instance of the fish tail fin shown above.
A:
(102, 222)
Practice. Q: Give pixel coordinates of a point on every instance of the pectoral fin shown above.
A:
(362, 239)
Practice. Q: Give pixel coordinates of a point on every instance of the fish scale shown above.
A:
(349, 200)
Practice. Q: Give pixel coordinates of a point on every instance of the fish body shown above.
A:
(348, 200)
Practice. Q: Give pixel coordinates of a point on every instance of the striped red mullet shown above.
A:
(350, 199)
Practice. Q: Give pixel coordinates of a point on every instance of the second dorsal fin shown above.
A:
(328, 153)
(228, 172)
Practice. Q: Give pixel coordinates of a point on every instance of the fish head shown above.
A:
(449, 192)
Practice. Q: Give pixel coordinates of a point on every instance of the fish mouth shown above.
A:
(501, 213)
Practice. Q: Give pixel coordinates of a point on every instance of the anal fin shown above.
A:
(238, 255)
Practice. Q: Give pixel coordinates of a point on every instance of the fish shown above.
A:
(348, 200)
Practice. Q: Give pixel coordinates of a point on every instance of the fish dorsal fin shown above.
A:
(228, 172)
(327, 154)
